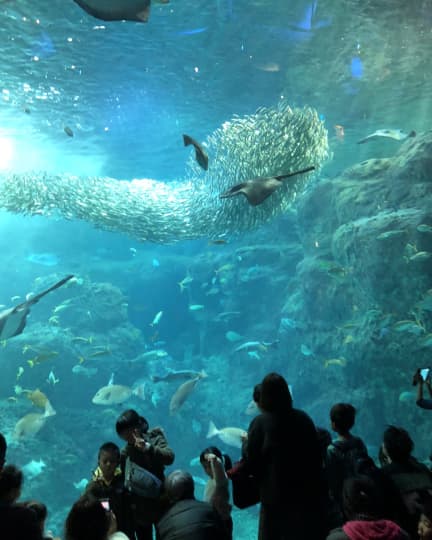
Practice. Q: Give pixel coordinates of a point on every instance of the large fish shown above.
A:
(181, 394)
(30, 424)
(258, 190)
(115, 394)
(395, 134)
(13, 320)
(232, 436)
(200, 154)
(118, 10)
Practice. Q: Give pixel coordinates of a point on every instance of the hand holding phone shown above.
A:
(105, 505)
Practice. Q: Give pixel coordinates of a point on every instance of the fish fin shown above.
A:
(212, 430)
(295, 173)
(139, 391)
(233, 191)
(188, 140)
(49, 410)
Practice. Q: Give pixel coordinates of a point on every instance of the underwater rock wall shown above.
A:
(363, 291)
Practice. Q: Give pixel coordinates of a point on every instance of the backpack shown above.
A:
(140, 481)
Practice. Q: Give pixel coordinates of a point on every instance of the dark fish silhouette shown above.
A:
(68, 131)
(200, 154)
(13, 320)
(117, 10)
(257, 190)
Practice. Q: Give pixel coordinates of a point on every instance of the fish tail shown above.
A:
(212, 430)
(49, 410)
(139, 391)
(187, 140)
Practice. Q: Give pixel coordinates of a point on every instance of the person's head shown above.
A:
(256, 395)
(424, 528)
(87, 520)
(40, 511)
(11, 481)
(179, 485)
(360, 499)
(108, 459)
(224, 458)
(342, 418)
(397, 444)
(129, 424)
(3, 449)
(275, 395)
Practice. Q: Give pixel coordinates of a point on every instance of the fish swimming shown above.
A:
(258, 190)
(173, 375)
(181, 394)
(200, 154)
(115, 394)
(229, 435)
(30, 424)
(395, 134)
(13, 320)
(117, 10)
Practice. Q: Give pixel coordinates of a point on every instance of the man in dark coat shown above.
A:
(283, 452)
(187, 518)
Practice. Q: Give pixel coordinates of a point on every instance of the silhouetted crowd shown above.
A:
(309, 486)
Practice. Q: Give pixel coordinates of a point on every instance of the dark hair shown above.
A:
(360, 498)
(110, 448)
(87, 520)
(398, 444)
(324, 439)
(3, 448)
(342, 416)
(130, 419)
(179, 485)
(10, 478)
(226, 460)
(39, 509)
(427, 507)
(257, 393)
(275, 395)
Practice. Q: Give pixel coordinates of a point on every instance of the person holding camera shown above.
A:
(423, 377)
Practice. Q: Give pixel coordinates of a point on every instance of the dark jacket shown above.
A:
(284, 454)
(424, 403)
(98, 489)
(340, 464)
(146, 511)
(191, 520)
(18, 522)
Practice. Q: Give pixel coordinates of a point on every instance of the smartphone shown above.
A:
(425, 373)
(105, 505)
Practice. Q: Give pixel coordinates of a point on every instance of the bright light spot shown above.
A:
(196, 69)
(26, 87)
(316, 243)
(70, 39)
(6, 153)
(37, 21)
(36, 58)
(106, 128)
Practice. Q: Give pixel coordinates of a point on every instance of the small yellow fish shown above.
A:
(38, 398)
(100, 352)
(54, 320)
(420, 256)
(348, 339)
(335, 362)
(42, 357)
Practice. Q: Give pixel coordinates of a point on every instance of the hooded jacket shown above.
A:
(382, 529)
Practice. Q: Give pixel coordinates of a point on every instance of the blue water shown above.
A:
(129, 91)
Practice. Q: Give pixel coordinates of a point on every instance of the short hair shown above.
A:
(39, 509)
(257, 393)
(179, 485)
(398, 444)
(360, 496)
(130, 419)
(87, 520)
(3, 449)
(275, 395)
(225, 459)
(10, 478)
(342, 416)
(110, 448)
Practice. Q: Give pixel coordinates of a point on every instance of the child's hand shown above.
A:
(141, 444)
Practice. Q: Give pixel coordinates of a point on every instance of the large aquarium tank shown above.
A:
(152, 161)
